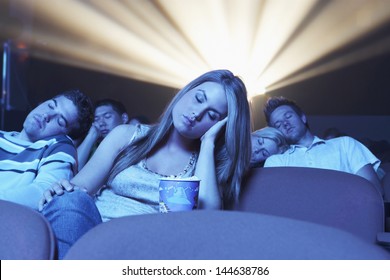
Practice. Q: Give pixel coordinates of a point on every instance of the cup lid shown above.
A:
(193, 178)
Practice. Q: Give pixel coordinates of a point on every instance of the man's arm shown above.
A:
(368, 172)
(363, 162)
(57, 162)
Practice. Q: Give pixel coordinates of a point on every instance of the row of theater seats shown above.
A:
(284, 213)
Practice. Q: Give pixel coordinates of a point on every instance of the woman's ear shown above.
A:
(125, 118)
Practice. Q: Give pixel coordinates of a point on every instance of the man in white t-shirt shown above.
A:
(307, 150)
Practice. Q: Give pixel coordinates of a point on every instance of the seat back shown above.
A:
(24, 234)
(327, 197)
(221, 235)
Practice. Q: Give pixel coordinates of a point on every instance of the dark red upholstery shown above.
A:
(24, 234)
(222, 235)
(326, 197)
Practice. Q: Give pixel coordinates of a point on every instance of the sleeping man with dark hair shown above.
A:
(307, 150)
(33, 159)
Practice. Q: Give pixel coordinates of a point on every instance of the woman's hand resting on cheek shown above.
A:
(212, 133)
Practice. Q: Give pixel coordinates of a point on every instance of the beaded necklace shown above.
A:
(190, 165)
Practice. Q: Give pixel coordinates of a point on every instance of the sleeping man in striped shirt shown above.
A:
(33, 159)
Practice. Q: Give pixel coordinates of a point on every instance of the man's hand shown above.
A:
(57, 188)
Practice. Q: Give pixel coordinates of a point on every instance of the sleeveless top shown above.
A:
(134, 190)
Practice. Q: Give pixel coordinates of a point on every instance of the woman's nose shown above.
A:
(195, 116)
(46, 117)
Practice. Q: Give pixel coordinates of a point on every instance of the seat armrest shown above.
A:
(383, 238)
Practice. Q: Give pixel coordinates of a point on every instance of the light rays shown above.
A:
(169, 42)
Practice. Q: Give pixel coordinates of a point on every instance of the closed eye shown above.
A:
(52, 104)
(107, 116)
(200, 97)
(62, 122)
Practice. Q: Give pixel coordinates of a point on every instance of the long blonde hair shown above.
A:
(275, 135)
(232, 154)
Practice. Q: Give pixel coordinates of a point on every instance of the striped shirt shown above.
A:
(28, 169)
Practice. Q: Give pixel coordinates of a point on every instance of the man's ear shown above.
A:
(303, 118)
(125, 118)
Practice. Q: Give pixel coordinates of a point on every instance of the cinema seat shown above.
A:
(24, 234)
(221, 235)
(327, 197)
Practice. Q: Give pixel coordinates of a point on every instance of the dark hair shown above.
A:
(85, 108)
(116, 105)
(332, 132)
(277, 101)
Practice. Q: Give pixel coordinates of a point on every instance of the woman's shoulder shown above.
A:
(120, 135)
(124, 129)
(129, 131)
